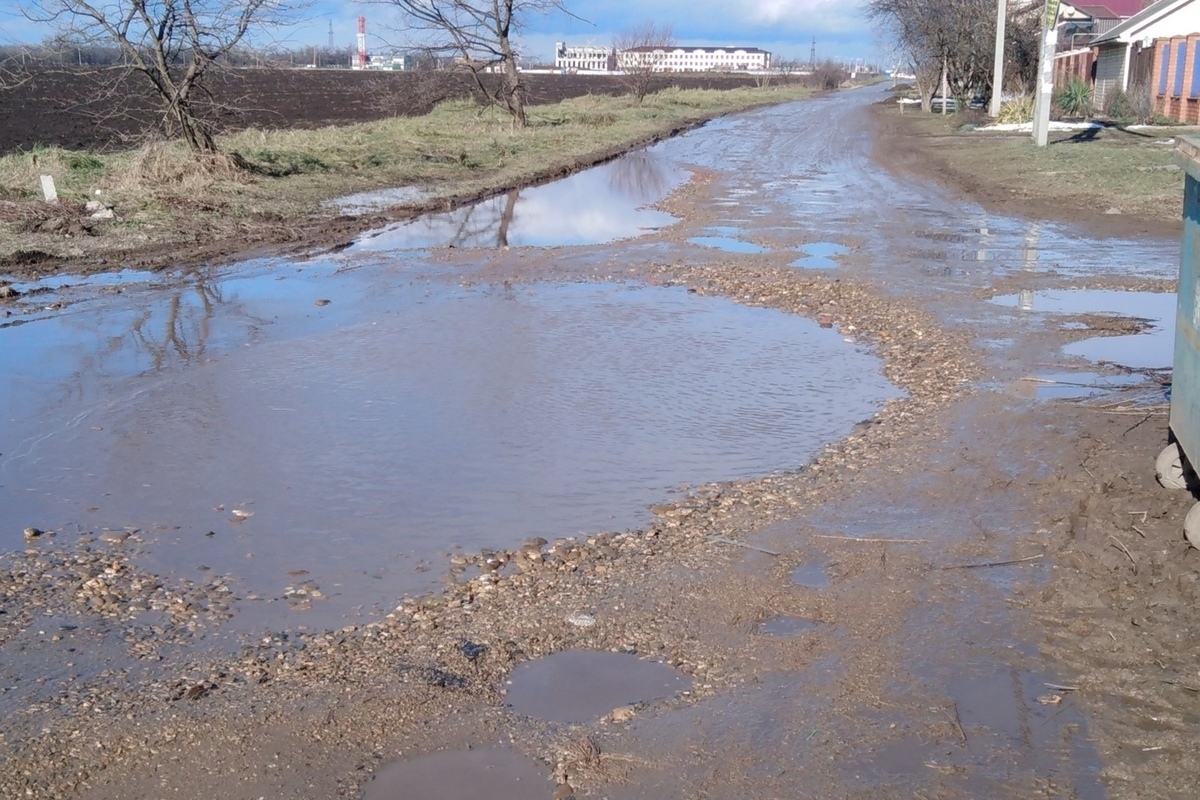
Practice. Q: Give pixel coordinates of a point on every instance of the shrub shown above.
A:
(1075, 99)
(1118, 107)
(1017, 110)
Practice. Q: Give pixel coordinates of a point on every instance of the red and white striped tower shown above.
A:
(360, 58)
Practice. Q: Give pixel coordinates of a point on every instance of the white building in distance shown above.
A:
(694, 59)
(588, 58)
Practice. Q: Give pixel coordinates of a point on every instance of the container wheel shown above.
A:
(1191, 526)
(1169, 469)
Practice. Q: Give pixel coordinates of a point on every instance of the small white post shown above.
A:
(48, 190)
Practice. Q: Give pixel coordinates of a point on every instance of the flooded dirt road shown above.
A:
(772, 490)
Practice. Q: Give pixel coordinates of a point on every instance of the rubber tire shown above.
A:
(1169, 468)
(1191, 526)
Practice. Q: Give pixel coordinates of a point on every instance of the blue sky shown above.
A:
(785, 27)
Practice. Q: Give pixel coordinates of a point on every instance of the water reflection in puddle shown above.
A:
(599, 205)
(370, 435)
(484, 773)
(377, 200)
(1150, 349)
(810, 574)
(581, 685)
(1074, 385)
(728, 244)
(820, 255)
(786, 625)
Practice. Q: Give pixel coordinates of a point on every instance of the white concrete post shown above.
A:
(998, 62)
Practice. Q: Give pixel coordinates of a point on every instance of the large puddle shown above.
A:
(599, 205)
(358, 441)
(581, 685)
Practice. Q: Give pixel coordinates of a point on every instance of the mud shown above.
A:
(1009, 602)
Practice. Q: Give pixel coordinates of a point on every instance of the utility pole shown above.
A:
(945, 85)
(812, 55)
(998, 63)
(1045, 84)
(331, 35)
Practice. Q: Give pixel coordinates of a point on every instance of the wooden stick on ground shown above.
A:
(723, 540)
(994, 563)
(876, 540)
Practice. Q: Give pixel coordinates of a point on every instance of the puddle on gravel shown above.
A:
(728, 244)
(820, 255)
(490, 773)
(583, 685)
(810, 574)
(1153, 348)
(377, 200)
(787, 625)
(368, 436)
(599, 205)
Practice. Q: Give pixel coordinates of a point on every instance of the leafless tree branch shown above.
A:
(641, 54)
(173, 44)
(481, 34)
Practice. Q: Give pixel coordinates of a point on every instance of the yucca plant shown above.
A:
(1017, 110)
(1075, 99)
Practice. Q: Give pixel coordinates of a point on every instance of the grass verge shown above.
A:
(1080, 176)
(163, 197)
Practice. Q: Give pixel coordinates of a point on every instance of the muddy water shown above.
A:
(578, 685)
(486, 772)
(359, 440)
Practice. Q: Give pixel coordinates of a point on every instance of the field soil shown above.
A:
(80, 109)
(1007, 606)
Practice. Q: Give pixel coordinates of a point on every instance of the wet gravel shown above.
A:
(453, 649)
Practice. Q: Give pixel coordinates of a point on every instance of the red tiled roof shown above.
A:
(1111, 9)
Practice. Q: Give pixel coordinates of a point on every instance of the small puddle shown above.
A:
(98, 281)
(810, 574)
(599, 205)
(787, 625)
(728, 244)
(1073, 385)
(582, 685)
(365, 202)
(1150, 349)
(489, 772)
(820, 255)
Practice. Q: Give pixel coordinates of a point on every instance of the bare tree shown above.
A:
(641, 53)
(956, 34)
(482, 35)
(174, 44)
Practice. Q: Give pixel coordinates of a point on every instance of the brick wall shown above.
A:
(1174, 93)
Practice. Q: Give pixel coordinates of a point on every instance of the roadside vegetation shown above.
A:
(161, 194)
(1106, 171)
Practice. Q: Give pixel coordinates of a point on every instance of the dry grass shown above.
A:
(1133, 171)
